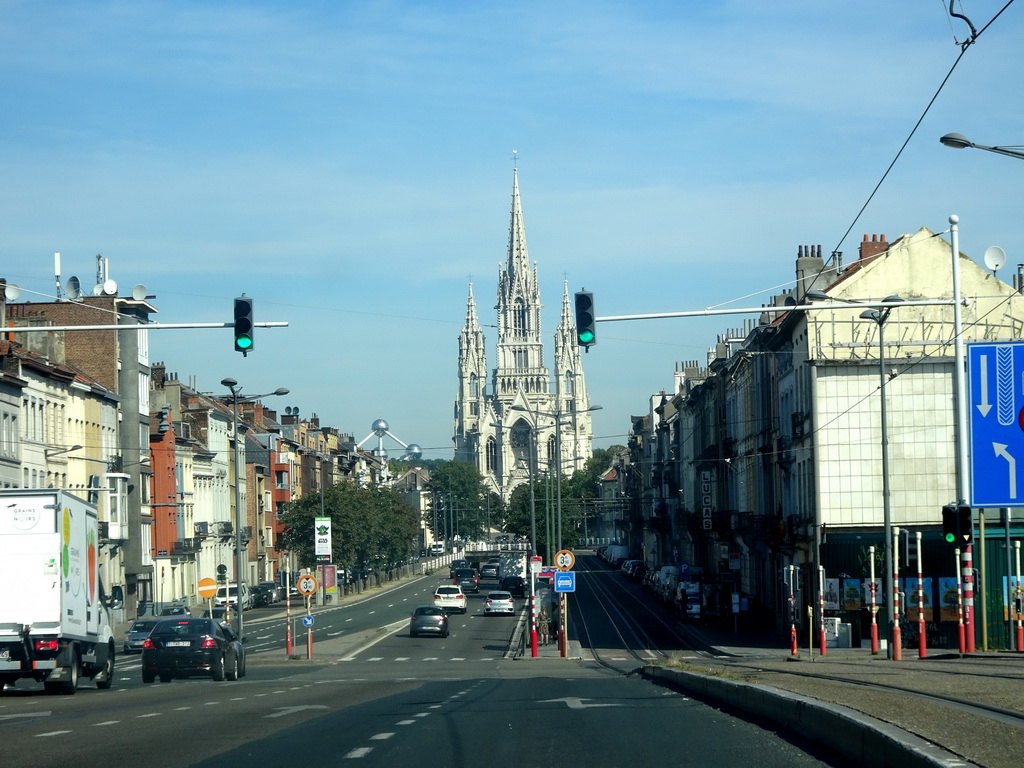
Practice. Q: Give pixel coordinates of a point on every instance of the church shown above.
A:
(525, 421)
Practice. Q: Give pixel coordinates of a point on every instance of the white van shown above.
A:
(227, 597)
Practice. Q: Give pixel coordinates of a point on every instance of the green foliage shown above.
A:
(370, 527)
(459, 498)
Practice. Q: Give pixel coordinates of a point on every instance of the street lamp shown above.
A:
(879, 316)
(557, 416)
(237, 399)
(959, 141)
(47, 452)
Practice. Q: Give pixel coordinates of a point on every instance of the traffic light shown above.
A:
(950, 524)
(966, 524)
(586, 321)
(243, 324)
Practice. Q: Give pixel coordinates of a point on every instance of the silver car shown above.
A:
(499, 602)
(137, 634)
(428, 620)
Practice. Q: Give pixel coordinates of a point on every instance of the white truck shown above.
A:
(55, 620)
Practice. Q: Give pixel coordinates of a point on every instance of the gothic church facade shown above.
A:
(518, 418)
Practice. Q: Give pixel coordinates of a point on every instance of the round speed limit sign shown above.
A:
(306, 585)
(565, 560)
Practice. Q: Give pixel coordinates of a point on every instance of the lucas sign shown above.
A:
(322, 539)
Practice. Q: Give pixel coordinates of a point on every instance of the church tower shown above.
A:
(517, 425)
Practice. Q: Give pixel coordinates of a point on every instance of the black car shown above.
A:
(468, 579)
(514, 584)
(186, 647)
(456, 565)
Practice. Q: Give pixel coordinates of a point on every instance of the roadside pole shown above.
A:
(922, 644)
(288, 612)
(874, 602)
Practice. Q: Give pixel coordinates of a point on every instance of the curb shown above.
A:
(864, 740)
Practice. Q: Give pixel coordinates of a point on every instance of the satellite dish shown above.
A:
(288, 410)
(12, 292)
(97, 290)
(74, 288)
(995, 258)
(139, 292)
(110, 288)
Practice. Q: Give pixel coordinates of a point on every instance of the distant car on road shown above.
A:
(499, 602)
(428, 620)
(174, 610)
(468, 579)
(514, 584)
(450, 597)
(137, 634)
(186, 647)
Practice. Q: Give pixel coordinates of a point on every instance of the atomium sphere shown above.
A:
(380, 427)
(414, 451)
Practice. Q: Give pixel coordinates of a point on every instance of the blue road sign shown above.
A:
(565, 581)
(307, 621)
(995, 378)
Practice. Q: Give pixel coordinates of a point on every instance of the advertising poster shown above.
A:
(866, 586)
(329, 579)
(832, 595)
(911, 609)
(322, 539)
(853, 598)
(948, 610)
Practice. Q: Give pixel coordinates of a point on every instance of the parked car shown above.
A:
(467, 579)
(275, 591)
(514, 584)
(228, 595)
(137, 634)
(450, 597)
(186, 647)
(428, 620)
(499, 602)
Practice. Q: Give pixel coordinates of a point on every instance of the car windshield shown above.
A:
(499, 596)
(429, 611)
(449, 591)
(143, 626)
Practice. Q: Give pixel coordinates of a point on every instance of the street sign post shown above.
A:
(565, 560)
(207, 587)
(995, 378)
(565, 581)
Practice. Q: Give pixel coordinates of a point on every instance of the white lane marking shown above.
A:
(150, 714)
(107, 722)
(422, 714)
(181, 709)
(401, 658)
(52, 733)
(376, 658)
(282, 711)
(26, 714)
(381, 736)
(405, 722)
(360, 752)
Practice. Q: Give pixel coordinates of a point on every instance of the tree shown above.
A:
(371, 528)
(459, 498)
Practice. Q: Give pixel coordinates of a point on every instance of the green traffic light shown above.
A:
(586, 337)
(950, 538)
(243, 342)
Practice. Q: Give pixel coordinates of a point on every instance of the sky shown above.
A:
(349, 166)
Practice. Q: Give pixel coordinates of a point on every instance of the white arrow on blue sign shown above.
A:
(307, 621)
(995, 377)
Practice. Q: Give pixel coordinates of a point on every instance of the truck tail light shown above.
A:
(47, 645)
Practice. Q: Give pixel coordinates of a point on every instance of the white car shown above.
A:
(227, 597)
(499, 602)
(450, 597)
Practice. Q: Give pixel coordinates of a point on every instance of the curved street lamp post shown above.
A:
(237, 399)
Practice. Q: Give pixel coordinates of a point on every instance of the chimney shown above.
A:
(873, 247)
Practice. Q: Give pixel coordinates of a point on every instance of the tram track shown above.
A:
(622, 627)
